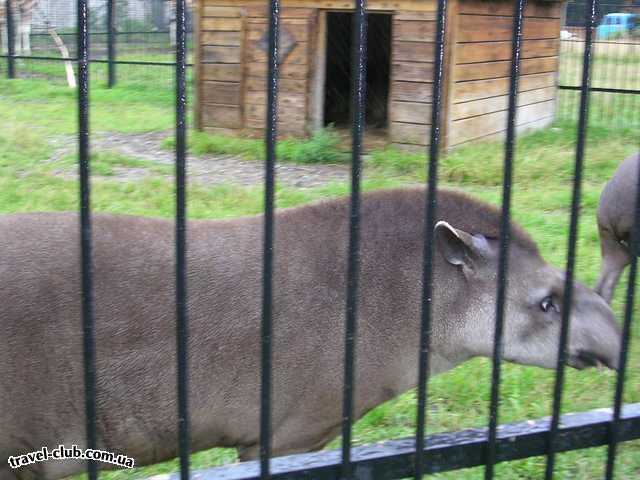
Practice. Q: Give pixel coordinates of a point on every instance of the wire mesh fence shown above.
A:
(130, 41)
(616, 64)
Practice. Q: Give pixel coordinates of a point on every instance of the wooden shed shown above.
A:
(315, 41)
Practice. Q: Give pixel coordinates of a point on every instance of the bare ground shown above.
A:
(202, 169)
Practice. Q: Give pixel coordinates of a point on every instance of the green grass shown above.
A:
(51, 109)
(322, 147)
(458, 399)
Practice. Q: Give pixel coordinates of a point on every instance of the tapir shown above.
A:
(615, 223)
(41, 377)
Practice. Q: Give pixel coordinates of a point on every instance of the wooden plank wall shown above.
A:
(220, 82)
(481, 63)
(412, 49)
(233, 69)
(295, 71)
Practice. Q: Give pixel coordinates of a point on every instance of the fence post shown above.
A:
(11, 70)
(111, 43)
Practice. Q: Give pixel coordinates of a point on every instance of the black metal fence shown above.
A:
(615, 84)
(397, 458)
(132, 41)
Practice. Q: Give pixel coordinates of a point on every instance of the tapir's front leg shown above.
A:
(615, 257)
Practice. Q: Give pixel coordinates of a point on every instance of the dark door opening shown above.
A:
(337, 94)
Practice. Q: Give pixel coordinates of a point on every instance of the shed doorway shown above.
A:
(338, 73)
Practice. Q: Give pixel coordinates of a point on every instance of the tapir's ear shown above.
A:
(458, 246)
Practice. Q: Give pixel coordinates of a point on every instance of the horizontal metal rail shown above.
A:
(154, 32)
(444, 451)
(600, 89)
(117, 62)
(601, 42)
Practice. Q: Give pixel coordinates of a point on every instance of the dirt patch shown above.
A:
(202, 169)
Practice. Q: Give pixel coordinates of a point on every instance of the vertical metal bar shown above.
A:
(89, 356)
(573, 235)
(269, 220)
(11, 66)
(111, 43)
(634, 247)
(358, 95)
(505, 234)
(181, 236)
(430, 216)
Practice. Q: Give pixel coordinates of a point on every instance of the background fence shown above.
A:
(616, 65)
(138, 49)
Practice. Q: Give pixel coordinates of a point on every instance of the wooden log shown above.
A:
(217, 11)
(226, 72)
(411, 91)
(259, 84)
(403, 14)
(220, 54)
(373, 5)
(483, 28)
(411, 133)
(287, 100)
(412, 51)
(473, 90)
(414, 31)
(299, 72)
(227, 93)
(495, 104)
(290, 118)
(256, 31)
(479, 71)
(521, 128)
(229, 39)
(261, 11)
(412, 72)
(494, 51)
(225, 116)
(483, 125)
(222, 24)
(410, 112)
(299, 55)
(532, 9)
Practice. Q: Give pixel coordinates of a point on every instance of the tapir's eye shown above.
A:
(546, 305)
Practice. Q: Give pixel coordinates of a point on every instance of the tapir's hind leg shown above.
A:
(615, 257)
(288, 441)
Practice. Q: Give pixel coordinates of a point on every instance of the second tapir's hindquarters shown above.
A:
(615, 257)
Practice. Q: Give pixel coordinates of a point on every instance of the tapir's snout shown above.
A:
(595, 337)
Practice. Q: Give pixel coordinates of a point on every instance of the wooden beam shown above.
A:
(220, 54)
(221, 92)
(482, 28)
(230, 39)
(479, 71)
(494, 51)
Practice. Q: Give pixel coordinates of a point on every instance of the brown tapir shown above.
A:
(615, 222)
(41, 379)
